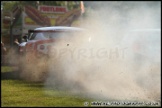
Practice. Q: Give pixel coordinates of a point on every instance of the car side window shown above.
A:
(39, 36)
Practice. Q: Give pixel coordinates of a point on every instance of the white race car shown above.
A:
(35, 52)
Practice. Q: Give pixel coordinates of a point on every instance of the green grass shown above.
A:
(17, 93)
(6, 69)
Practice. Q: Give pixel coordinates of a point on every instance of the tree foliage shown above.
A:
(8, 5)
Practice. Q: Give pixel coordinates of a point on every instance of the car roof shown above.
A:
(57, 28)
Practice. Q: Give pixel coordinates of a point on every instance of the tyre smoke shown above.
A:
(95, 65)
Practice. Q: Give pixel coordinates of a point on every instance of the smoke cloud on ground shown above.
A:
(94, 64)
(99, 69)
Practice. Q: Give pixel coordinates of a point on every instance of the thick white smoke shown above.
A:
(92, 64)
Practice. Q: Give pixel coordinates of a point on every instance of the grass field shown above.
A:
(17, 93)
